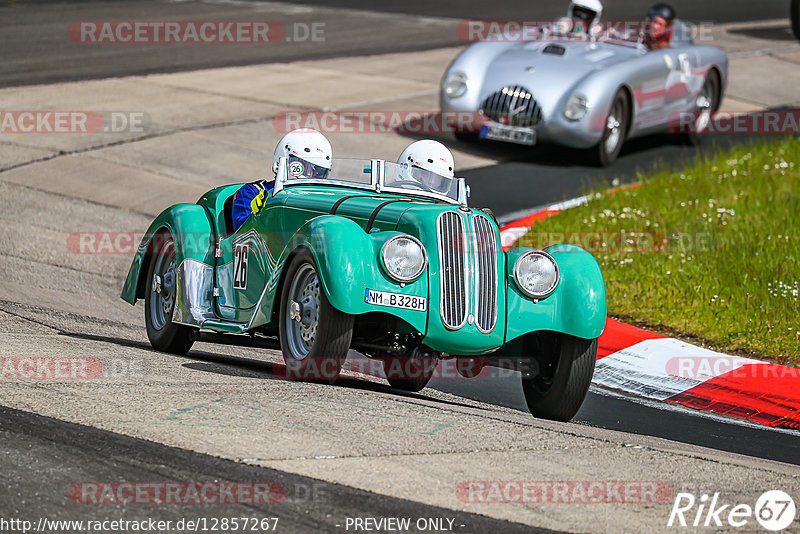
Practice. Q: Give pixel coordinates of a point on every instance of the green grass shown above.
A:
(715, 250)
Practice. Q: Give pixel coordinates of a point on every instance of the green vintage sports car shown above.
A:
(372, 260)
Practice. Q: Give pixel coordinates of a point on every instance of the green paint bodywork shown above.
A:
(349, 262)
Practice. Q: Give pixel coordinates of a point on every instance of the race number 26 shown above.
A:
(240, 253)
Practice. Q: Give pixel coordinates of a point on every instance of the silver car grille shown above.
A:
(485, 273)
(453, 258)
(513, 105)
(459, 258)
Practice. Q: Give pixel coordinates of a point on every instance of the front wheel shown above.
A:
(315, 336)
(796, 18)
(558, 391)
(615, 131)
(159, 300)
(467, 136)
(410, 373)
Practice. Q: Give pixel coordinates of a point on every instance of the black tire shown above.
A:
(159, 301)
(467, 137)
(559, 390)
(796, 18)
(614, 133)
(712, 91)
(409, 373)
(313, 350)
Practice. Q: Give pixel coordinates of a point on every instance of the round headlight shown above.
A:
(404, 257)
(576, 108)
(455, 85)
(536, 273)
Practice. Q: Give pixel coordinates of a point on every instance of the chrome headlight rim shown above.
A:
(451, 77)
(556, 279)
(424, 258)
(583, 105)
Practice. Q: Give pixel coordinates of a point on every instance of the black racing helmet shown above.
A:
(664, 11)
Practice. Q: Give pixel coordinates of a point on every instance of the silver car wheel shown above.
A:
(162, 296)
(704, 105)
(303, 311)
(614, 128)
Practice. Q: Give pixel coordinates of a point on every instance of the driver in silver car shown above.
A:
(585, 12)
(661, 26)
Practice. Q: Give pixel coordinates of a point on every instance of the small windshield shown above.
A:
(614, 32)
(356, 171)
(413, 179)
(359, 173)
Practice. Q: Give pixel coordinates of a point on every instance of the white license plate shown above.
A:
(511, 134)
(396, 300)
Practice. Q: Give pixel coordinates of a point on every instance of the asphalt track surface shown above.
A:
(629, 414)
(30, 40)
(35, 50)
(43, 456)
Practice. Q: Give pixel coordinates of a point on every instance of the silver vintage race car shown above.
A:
(590, 91)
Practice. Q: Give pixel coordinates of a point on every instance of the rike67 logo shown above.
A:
(774, 510)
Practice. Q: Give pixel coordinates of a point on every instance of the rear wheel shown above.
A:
(159, 300)
(315, 336)
(707, 103)
(565, 374)
(614, 132)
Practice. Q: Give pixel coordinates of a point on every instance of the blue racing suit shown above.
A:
(248, 201)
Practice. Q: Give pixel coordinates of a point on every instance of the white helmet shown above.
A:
(308, 151)
(588, 11)
(428, 162)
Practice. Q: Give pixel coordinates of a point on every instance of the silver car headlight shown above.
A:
(455, 85)
(536, 273)
(576, 107)
(404, 257)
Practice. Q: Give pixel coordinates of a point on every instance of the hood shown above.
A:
(550, 70)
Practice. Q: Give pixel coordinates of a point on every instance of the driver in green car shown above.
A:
(430, 163)
(309, 155)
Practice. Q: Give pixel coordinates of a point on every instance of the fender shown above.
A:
(194, 235)
(348, 262)
(581, 281)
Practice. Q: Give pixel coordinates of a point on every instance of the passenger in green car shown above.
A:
(430, 163)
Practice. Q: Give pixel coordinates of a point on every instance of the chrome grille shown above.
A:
(485, 244)
(513, 105)
(453, 260)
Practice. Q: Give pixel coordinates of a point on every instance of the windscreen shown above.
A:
(355, 171)
(415, 180)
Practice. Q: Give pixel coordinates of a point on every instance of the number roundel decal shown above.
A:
(296, 169)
